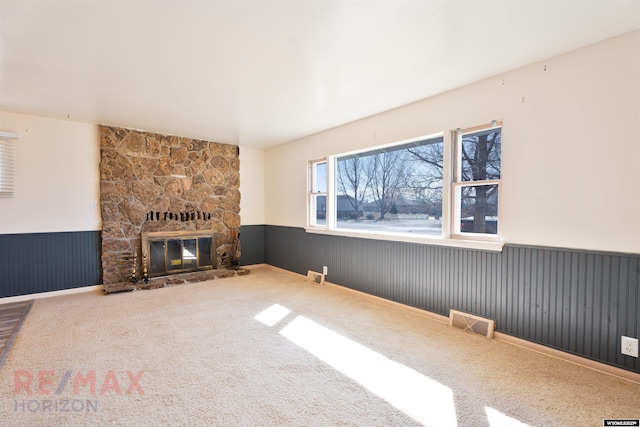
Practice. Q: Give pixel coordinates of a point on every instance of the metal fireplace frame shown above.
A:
(170, 266)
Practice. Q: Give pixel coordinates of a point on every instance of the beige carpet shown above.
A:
(270, 349)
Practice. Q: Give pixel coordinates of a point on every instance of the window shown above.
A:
(393, 189)
(318, 193)
(477, 178)
(6, 163)
(442, 187)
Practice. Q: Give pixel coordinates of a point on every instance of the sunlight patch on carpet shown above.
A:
(273, 315)
(421, 398)
(498, 419)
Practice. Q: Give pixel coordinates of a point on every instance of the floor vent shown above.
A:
(470, 323)
(315, 277)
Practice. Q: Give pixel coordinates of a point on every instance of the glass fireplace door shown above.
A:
(176, 254)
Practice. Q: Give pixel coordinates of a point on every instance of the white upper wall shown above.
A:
(571, 147)
(57, 176)
(251, 186)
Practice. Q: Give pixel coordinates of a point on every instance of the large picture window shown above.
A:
(430, 187)
(393, 189)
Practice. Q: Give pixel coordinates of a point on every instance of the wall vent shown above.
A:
(471, 323)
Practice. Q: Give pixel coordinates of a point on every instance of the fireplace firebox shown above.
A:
(172, 252)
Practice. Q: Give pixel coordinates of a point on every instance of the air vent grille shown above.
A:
(315, 277)
(471, 323)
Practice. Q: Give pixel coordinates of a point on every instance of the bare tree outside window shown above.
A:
(353, 179)
(387, 178)
(426, 181)
(480, 159)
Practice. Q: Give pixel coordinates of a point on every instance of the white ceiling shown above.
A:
(261, 73)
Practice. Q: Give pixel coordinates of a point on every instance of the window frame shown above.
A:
(457, 184)
(436, 138)
(312, 195)
(450, 236)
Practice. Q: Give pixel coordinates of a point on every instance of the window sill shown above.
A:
(485, 245)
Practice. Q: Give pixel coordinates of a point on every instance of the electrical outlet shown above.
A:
(324, 270)
(630, 346)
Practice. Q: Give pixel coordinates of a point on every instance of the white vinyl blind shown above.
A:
(7, 172)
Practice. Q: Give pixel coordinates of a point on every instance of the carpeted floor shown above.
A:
(270, 349)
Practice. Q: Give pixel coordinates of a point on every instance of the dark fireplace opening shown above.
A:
(179, 251)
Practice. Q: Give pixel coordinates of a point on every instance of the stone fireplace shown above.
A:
(151, 183)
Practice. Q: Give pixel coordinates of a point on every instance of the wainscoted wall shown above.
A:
(43, 262)
(252, 244)
(576, 301)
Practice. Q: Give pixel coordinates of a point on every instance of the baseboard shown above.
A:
(509, 339)
(255, 266)
(96, 288)
(425, 313)
(568, 357)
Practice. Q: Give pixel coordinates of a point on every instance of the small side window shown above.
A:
(477, 179)
(318, 193)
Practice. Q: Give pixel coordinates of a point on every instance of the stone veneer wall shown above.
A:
(151, 182)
